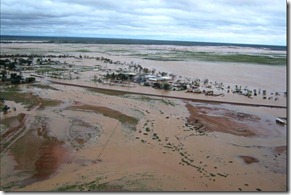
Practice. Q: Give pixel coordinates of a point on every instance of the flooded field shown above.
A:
(60, 137)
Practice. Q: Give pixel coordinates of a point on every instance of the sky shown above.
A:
(227, 21)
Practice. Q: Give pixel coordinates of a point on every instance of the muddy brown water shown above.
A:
(220, 124)
(41, 157)
(53, 154)
(280, 149)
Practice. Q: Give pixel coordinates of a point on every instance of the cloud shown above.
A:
(240, 21)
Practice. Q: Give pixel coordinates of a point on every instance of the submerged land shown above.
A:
(115, 117)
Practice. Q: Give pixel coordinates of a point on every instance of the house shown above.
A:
(209, 93)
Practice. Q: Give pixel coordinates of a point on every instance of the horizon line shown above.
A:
(144, 39)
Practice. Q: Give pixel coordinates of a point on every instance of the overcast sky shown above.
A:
(231, 21)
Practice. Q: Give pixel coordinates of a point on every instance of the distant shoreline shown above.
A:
(91, 40)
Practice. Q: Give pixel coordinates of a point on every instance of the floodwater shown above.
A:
(220, 156)
(95, 141)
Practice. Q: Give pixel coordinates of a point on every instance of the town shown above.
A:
(122, 74)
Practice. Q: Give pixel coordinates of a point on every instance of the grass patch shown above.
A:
(243, 58)
(13, 94)
(48, 103)
(216, 57)
(2, 105)
(92, 186)
(168, 102)
(108, 92)
(149, 99)
(8, 121)
(17, 48)
(146, 98)
(82, 50)
(45, 87)
(68, 188)
(117, 51)
(10, 185)
(123, 118)
(163, 58)
(42, 70)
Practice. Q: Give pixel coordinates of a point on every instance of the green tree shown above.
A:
(146, 70)
(3, 75)
(167, 86)
(5, 109)
(164, 74)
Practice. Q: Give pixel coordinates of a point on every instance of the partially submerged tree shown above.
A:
(167, 86)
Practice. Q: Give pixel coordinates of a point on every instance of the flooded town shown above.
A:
(94, 119)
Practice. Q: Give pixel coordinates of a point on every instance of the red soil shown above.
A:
(280, 149)
(52, 156)
(218, 123)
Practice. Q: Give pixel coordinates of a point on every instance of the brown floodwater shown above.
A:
(220, 123)
(52, 155)
(38, 156)
(280, 149)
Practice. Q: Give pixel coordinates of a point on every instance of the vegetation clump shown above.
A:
(123, 118)
(13, 93)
